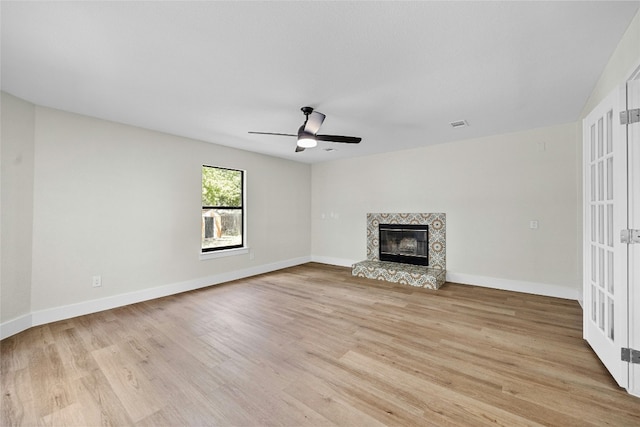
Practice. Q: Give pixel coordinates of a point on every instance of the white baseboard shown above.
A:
(545, 289)
(341, 262)
(15, 326)
(55, 314)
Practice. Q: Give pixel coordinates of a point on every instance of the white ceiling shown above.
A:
(393, 73)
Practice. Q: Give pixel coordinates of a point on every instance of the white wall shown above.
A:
(624, 59)
(490, 188)
(124, 203)
(16, 181)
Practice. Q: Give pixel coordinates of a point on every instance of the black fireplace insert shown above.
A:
(405, 243)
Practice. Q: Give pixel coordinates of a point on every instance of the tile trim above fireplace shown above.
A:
(437, 234)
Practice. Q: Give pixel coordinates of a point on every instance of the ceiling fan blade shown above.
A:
(314, 121)
(273, 133)
(339, 138)
(308, 133)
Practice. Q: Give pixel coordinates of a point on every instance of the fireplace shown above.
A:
(430, 246)
(404, 243)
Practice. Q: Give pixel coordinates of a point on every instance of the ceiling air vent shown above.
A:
(459, 124)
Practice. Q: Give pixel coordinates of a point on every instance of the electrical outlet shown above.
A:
(533, 225)
(96, 281)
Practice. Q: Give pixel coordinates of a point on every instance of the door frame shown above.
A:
(633, 155)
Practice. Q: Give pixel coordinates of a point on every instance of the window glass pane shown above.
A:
(594, 222)
(601, 224)
(593, 182)
(600, 138)
(593, 263)
(601, 311)
(610, 178)
(221, 228)
(221, 187)
(609, 232)
(610, 270)
(593, 142)
(601, 267)
(600, 180)
(222, 208)
(594, 304)
(609, 131)
(611, 317)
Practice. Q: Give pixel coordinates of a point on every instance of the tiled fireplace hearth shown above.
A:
(431, 276)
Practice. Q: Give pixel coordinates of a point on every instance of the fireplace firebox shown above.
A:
(404, 243)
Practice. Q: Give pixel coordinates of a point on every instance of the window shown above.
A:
(222, 209)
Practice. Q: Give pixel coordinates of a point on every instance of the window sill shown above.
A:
(223, 253)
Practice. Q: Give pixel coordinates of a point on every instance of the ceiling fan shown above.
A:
(308, 133)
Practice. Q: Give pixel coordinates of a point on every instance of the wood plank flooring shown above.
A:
(312, 345)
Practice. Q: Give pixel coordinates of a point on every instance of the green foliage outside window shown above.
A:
(221, 187)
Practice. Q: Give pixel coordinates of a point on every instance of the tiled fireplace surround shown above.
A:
(431, 277)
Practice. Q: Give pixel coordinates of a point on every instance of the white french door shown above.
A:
(605, 275)
(633, 144)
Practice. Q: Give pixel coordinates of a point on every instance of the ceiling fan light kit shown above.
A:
(308, 137)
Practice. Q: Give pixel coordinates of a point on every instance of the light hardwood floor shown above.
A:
(311, 345)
